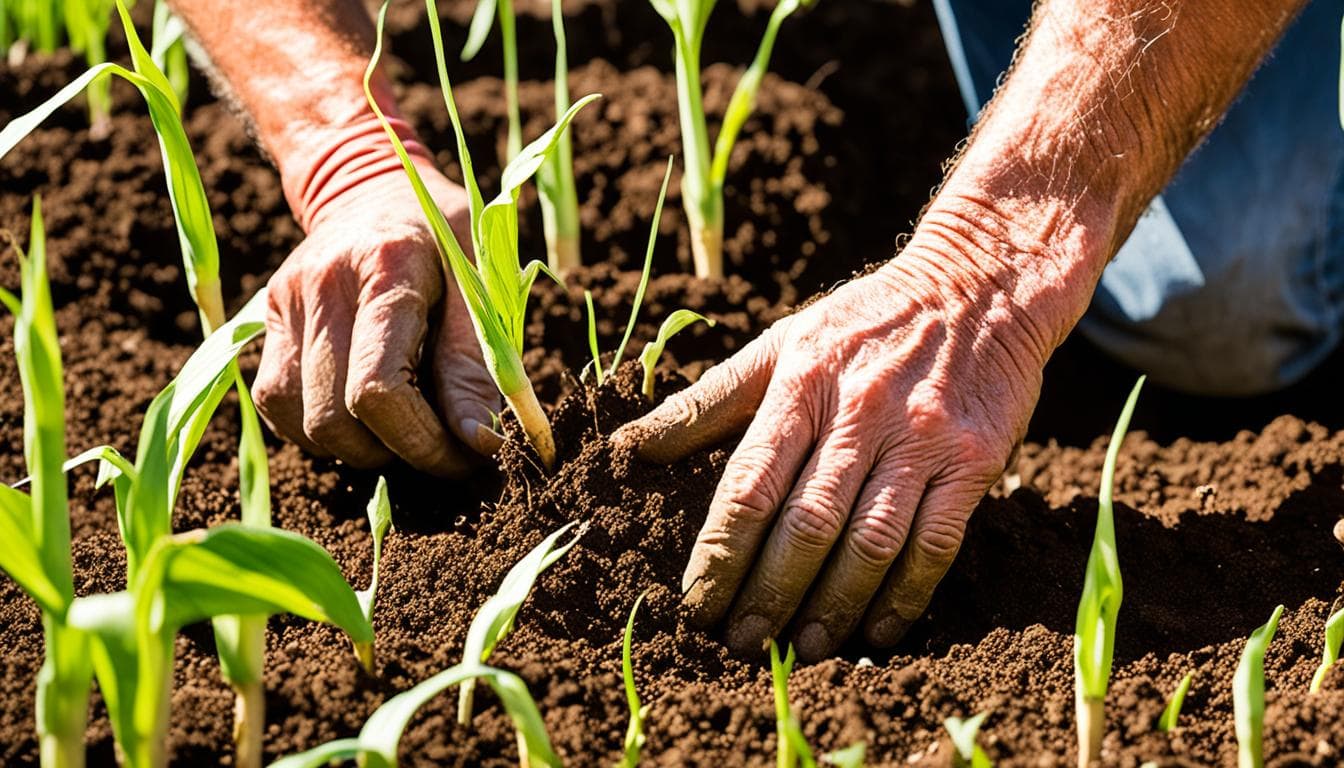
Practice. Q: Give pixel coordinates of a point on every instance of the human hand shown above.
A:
(876, 419)
(349, 314)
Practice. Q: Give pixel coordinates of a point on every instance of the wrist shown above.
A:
(1026, 266)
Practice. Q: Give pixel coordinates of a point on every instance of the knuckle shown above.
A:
(938, 539)
(812, 521)
(877, 537)
(369, 396)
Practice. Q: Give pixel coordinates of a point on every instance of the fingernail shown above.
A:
(888, 631)
(813, 642)
(488, 441)
(748, 635)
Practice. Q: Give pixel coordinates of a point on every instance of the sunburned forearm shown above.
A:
(1104, 101)
(295, 67)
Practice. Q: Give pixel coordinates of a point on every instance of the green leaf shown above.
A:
(673, 325)
(555, 181)
(1102, 587)
(1248, 694)
(495, 618)
(173, 426)
(1334, 636)
(20, 558)
(1172, 713)
(793, 749)
(634, 734)
(648, 267)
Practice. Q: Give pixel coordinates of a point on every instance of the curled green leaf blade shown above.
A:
(852, 756)
(20, 557)
(592, 337)
(321, 756)
(481, 22)
(495, 618)
(1248, 694)
(1172, 712)
(673, 325)
(1334, 636)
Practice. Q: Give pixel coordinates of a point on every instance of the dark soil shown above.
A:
(1212, 534)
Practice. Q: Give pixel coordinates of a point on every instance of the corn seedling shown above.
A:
(36, 526)
(1172, 713)
(1094, 642)
(1334, 636)
(555, 181)
(702, 180)
(380, 522)
(634, 734)
(967, 753)
(793, 750)
(376, 744)
(1248, 694)
(494, 620)
(675, 322)
(495, 288)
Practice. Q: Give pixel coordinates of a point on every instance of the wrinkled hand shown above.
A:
(349, 313)
(876, 419)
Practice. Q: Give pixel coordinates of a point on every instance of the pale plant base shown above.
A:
(707, 251)
(1091, 728)
(62, 752)
(249, 724)
(562, 254)
(535, 424)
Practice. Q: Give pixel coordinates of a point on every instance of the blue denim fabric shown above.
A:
(1232, 282)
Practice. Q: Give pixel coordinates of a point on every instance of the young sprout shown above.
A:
(494, 620)
(1094, 641)
(852, 756)
(36, 527)
(1248, 694)
(674, 323)
(792, 749)
(380, 522)
(1334, 636)
(634, 734)
(377, 742)
(702, 180)
(1167, 723)
(495, 288)
(963, 734)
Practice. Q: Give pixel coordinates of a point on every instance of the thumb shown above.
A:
(467, 395)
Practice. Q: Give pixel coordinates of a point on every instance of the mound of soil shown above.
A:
(1212, 534)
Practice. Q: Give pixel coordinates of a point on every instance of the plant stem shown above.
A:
(1091, 728)
(63, 696)
(249, 724)
(559, 198)
(535, 425)
(702, 201)
(510, 37)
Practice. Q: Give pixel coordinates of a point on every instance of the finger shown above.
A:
(808, 526)
(756, 481)
(940, 524)
(877, 530)
(278, 386)
(326, 359)
(719, 405)
(467, 395)
(380, 390)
